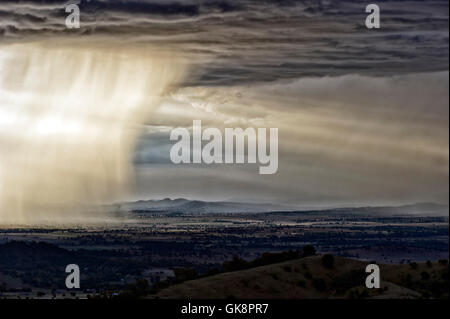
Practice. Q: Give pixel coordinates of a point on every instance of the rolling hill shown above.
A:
(308, 278)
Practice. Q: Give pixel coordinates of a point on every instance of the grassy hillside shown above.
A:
(310, 277)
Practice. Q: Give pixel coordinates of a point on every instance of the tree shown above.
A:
(308, 250)
(183, 274)
(274, 258)
(236, 264)
(328, 261)
(213, 271)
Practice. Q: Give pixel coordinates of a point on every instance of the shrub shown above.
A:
(438, 288)
(349, 280)
(158, 286)
(139, 289)
(287, 269)
(319, 284)
(443, 262)
(413, 265)
(363, 294)
(444, 275)
(425, 275)
(408, 280)
(355, 294)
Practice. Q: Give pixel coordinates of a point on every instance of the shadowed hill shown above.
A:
(310, 277)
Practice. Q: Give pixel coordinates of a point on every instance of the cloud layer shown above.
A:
(252, 40)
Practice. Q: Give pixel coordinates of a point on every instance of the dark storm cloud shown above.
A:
(255, 40)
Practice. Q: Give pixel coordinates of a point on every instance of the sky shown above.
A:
(362, 113)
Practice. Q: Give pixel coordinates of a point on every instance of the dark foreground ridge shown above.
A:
(317, 277)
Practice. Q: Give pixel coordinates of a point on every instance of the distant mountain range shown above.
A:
(427, 209)
(419, 209)
(182, 205)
